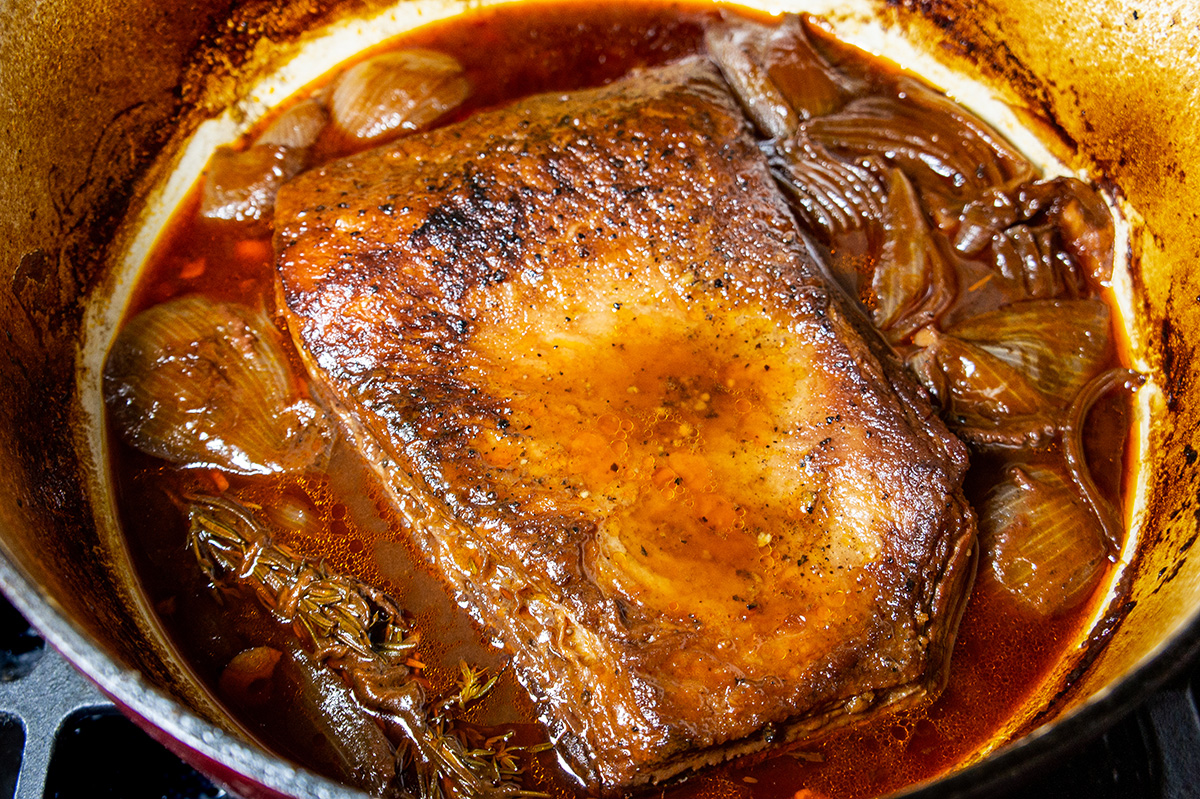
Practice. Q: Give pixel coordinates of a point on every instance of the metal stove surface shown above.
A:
(60, 739)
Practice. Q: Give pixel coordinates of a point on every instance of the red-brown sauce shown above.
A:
(1000, 655)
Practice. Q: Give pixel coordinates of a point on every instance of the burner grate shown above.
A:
(86, 744)
(61, 739)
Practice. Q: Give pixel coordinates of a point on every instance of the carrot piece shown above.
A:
(254, 251)
(193, 270)
(247, 679)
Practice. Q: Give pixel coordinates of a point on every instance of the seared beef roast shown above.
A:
(631, 423)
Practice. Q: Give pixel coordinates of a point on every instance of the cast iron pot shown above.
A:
(98, 100)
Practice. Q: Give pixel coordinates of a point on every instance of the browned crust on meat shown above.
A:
(584, 343)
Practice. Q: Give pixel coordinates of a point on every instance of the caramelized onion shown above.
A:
(941, 147)
(731, 47)
(202, 383)
(1058, 345)
(971, 383)
(298, 127)
(982, 219)
(1027, 258)
(1051, 237)
(396, 92)
(1074, 454)
(831, 197)
(1042, 543)
(1088, 232)
(913, 283)
(321, 709)
(240, 186)
(1002, 376)
(777, 74)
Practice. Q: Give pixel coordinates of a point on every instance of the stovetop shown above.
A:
(60, 739)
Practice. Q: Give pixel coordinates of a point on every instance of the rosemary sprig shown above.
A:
(362, 633)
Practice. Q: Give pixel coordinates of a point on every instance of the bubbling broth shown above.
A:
(987, 281)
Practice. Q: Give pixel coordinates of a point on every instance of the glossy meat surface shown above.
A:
(582, 339)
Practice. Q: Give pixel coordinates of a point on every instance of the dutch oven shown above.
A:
(97, 103)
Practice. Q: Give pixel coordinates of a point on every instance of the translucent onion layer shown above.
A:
(203, 383)
(1041, 541)
(394, 93)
